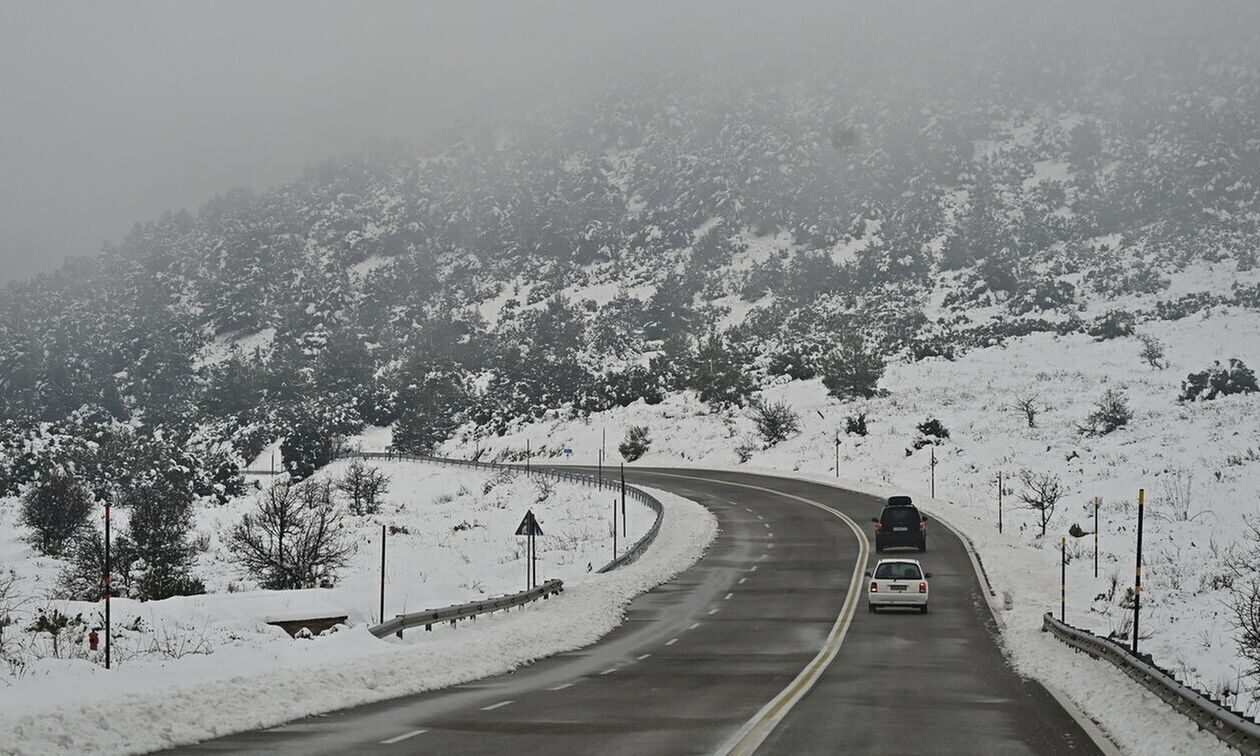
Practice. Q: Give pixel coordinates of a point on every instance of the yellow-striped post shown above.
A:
(1063, 579)
(1137, 575)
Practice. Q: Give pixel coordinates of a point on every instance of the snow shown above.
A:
(191, 668)
(220, 348)
(1211, 447)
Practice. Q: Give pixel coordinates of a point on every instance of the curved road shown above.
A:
(702, 656)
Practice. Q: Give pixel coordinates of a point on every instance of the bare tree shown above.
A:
(365, 486)
(775, 422)
(1031, 406)
(1041, 493)
(294, 538)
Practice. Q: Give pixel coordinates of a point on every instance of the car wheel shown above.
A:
(923, 609)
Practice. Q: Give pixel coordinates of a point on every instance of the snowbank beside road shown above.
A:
(74, 706)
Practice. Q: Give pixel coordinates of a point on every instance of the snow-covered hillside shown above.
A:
(1199, 464)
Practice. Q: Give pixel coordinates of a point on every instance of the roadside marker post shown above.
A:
(623, 502)
(108, 585)
(1137, 576)
(1063, 579)
(999, 501)
(382, 573)
(1097, 504)
(530, 528)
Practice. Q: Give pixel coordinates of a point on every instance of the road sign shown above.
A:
(568, 452)
(529, 525)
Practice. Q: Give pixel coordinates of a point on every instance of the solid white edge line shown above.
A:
(403, 737)
(756, 730)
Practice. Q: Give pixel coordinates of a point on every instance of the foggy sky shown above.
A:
(111, 113)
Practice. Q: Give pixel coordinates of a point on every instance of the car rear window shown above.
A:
(898, 571)
(900, 516)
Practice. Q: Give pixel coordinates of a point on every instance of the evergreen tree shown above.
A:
(718, 374)
(158, 530)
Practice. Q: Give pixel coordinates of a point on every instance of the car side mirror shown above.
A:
(874, 519)
(925, 518)
(868, 573)
(927, 574)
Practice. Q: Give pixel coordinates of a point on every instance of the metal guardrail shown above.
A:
(458, 612)
(1235, 730)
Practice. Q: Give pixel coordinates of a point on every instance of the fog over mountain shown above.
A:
(115, 113)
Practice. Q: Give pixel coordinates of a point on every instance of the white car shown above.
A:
(898, 582)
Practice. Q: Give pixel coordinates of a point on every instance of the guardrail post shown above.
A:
(400, 626)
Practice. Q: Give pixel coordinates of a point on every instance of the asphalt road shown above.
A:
(700, 656)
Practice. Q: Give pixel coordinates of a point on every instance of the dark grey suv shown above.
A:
(900, 524)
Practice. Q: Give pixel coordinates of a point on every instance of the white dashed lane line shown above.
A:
(641, 658)
(403, 737)
(713, 611)
(741, 580)
(499, 705)
(671, 641)
(728, 597)
(609, 671)
(562, 687)
(694, 625)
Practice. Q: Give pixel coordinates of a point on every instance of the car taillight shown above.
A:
(874, 587)
(879, 527)
(922, 525)
(922, 587)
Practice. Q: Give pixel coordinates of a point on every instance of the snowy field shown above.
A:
(190, 668)
(1198, 463)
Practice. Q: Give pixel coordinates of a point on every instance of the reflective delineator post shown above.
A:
(999, 501)
(623, 502)
(382, 573)
(1063, 580)
(1137, 575)
(108, 587)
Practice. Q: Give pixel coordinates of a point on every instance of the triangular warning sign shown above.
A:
(529, 525)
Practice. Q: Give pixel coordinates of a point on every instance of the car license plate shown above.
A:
(900, 530)
(898, 587)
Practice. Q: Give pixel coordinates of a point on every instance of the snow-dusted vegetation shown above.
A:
(1038, 260)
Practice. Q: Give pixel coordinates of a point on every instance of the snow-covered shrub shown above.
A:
(931, 431)
(55, 624)
(851, 369)
(775, 421)
(1111, 412)
(83, 577)
(1219, 380)
(1152, 351)
(159, 530)
(294, 537)
(718, 374)
(621, 388)
(855, 425)
(55, 509)
(1114, 324)
(636, 443)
